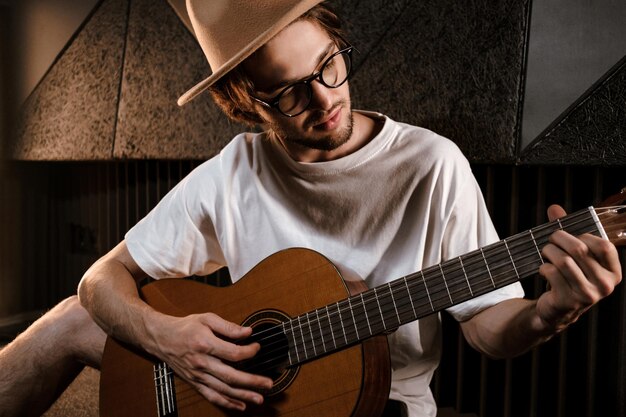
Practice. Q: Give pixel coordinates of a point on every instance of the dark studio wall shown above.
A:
(73, 212)
(76, 174)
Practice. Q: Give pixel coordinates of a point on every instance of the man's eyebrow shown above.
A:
(320, 58)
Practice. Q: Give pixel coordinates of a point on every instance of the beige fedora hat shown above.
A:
(229, 31)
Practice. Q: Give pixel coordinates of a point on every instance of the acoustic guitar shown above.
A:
(322, 337)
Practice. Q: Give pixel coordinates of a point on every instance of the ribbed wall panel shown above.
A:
(60, 217)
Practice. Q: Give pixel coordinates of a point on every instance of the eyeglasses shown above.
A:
(296, 97)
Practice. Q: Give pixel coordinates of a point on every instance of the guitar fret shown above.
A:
(511, 256)
(487, 266)
(466, 278)
(359, 309)
(427, 292)
(366, 315)
(295, 342)
(525, 252)
(410, 298)
(458, 287)
(306, 355)
(404, 309)
(382, 316)
(319, 324)
(330, 325)
(353, 320)
(373, 316)
(386, 300)
(395, 307)
(445, 283)
(312, 335)
(343, 329)
(536, 246)
(288, 350)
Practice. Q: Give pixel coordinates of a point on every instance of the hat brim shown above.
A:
(298, 10)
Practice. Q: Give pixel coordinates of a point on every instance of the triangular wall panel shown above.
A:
(71, 113)
(162, 61)
(592, 131)
(453, 67)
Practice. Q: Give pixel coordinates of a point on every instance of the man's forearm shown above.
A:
(108, 291)
(507, 329)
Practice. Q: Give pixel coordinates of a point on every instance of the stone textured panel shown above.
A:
(453, 67)
(162, 61)
(367, 23)
(71, 114)
(592, 131)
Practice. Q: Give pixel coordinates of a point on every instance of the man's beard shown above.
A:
(325, 143)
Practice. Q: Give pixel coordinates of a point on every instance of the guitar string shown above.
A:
(375, 322)
(270, 364)
(397, 283)
(363, 304)
(279, 361)
(390, 304)
(298, 327)
(404, 312)
(479, 261)
(273, 362)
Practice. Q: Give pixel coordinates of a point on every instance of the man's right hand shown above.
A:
(195, 349)
(193, 346)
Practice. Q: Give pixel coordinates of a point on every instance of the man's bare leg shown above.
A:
(41, 362)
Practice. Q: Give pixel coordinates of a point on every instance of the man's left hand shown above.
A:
(580, 270)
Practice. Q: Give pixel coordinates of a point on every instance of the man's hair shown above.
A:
(232, 93)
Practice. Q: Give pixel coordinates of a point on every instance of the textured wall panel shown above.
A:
(162, 61)
(572, 44)
(592, 131)
(71, 113)
(453, 67)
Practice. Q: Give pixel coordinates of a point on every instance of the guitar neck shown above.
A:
(384, 308)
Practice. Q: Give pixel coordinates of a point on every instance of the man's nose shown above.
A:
(321, 96)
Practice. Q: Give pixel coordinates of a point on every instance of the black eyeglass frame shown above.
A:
(273, 102)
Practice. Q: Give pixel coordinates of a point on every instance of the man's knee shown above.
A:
(71, 312)
(76, 330)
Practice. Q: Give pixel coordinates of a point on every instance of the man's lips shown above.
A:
(331, 121)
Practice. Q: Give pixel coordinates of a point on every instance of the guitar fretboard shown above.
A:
(384, 308)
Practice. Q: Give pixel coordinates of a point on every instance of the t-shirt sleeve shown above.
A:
(469, 227)
(177, 238)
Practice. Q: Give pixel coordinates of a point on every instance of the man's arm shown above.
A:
(580, 271)
(193, 345)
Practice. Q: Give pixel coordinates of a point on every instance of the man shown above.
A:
(379, 198)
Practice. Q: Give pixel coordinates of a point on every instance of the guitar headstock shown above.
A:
(612, 215)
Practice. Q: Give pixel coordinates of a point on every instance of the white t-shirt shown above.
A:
(405, 201)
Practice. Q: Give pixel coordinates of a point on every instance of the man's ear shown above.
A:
(254, 117)
(256, 112)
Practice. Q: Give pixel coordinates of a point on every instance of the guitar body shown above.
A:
(350, 382)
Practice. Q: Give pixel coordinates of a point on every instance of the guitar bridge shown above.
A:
(165, 392)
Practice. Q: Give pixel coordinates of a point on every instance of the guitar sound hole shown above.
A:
(272, 360)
